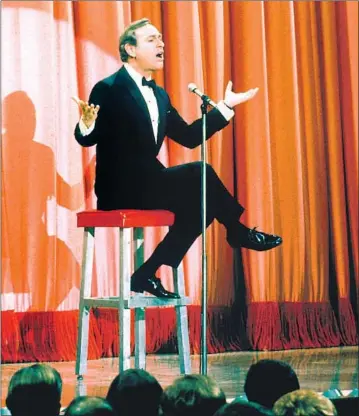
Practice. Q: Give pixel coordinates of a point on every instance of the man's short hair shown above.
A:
(135, 392)
(268, 380)
(35, 390)
(129, 37)
(193, 395)
(304, 402)
(89, 406)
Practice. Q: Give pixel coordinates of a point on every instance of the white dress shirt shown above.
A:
(152, 106)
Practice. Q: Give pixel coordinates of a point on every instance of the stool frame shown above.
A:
(128, 238)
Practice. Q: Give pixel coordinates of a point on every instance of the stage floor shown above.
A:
(317, 369)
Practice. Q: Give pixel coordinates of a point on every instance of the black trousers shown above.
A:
(178, 189)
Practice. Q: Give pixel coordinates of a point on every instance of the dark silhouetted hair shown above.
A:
(129, 37)
(304, 403)
(243, 408)
(89, 406)
(135, 393)
(35, 390)
(346, 405)
(268, 380)
(192, 395)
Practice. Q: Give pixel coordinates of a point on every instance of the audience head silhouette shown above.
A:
(271, 386)
(89, 406)
(304, 403)
(192, 395)
(135, 393)
(243, 408)
(268, 380)
(35, 391)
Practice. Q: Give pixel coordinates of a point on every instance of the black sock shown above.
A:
(147, 269)
(236, 228)
(242, 228)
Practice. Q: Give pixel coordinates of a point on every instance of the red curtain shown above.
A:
(290, 156)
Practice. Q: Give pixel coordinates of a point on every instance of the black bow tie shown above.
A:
(151, 83)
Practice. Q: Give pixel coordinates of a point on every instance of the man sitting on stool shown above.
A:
(128, 117)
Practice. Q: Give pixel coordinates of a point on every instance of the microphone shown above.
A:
(193, 88)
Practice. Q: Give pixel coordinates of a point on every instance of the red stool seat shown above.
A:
(125, 218)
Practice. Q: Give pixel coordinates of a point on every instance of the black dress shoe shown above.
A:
(152, 285)
(254, 240)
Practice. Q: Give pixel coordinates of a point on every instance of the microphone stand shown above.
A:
(203, 362)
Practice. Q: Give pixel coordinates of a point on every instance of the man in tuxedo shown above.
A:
(127, 117)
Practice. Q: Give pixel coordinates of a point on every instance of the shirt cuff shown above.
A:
(226, 112)
(85, 131)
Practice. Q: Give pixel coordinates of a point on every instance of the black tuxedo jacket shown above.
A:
(126, 154)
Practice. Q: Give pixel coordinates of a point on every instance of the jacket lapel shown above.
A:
(123, 79)
(138, 103)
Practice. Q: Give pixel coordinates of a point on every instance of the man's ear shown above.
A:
(131, 50)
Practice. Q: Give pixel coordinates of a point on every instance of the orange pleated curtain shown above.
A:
(290, 156)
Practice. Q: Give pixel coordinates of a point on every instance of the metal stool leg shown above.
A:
(125, 314)
(140, 315)
(182, 323)
(84, 311)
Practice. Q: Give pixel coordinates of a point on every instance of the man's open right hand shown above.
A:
(88, 111)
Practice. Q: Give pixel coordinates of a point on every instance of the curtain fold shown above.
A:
(290, 156)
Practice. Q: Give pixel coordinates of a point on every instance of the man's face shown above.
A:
(150, 48)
